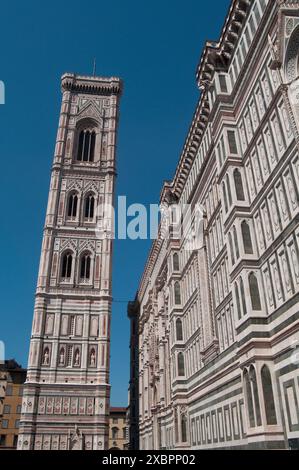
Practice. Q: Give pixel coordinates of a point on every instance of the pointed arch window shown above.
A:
(181, 364)
(89, 207)
(72, 205)
(177, 293)
(86, 145)
(248, 248)
(268, 395)
(239, 185)
(85, 267)
(254, 292)
(66, 268)
(179, 330)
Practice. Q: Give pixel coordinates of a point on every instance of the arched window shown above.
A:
(252, 376)
(179, 330)
(238, 301)
(176, 263)
(86, 146)
(184, 428)
(224, 197)
(248, 248)
(66, 267)
(229, 191)
(268, 396)
(114, 433)
(249, 399)
(72, 205)
(243, 296)
(232, 254)
(85, 267)
(89, 207)
(239, 185)
(254, 292)
(177, 293)
(181, 364)
(236, 243)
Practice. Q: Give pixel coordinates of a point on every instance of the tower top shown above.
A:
(91, 84)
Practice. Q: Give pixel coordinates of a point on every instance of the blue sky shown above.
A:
(154, 46)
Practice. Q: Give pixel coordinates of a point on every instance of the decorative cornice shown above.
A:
(91, 84)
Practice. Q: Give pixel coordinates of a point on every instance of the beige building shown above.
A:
(12, 378)
(217, 307)
(118, 436)
(67, 390)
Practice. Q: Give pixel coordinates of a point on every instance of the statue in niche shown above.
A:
(77, 358)
(92, 358)
(46, 357)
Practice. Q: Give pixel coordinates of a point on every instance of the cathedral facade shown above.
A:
(66, 394)
(217, 362)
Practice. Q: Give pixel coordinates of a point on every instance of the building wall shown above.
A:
(118, 437)
(66, 397)
(218, 320)
(12, 378)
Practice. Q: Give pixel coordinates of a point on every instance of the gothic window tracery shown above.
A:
(85, 265)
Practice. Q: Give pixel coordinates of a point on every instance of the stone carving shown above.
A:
(62, 357)
(76, 439)
(46, 357)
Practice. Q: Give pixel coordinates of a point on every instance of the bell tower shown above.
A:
(67, 391)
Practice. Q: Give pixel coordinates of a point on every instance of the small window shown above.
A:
(252, 375)
(249, 399)
(223, 84)
(181, 365)
(254, 292)
(224, 197)
(89, 207)
(238, 301)
(17, 423)
(114, 433)
(268, 396)
(232, 254)
(239, 185)
(228, 191)
(66, 269)
(176, 263)
(9, 390)
(2, 440)
(115, 420)
(184, 428)
(19, 409)
(177, 293)
(236, 243)
(179, 330)
(231, 136)
(15, 440)
(4, 423)
(72, 205)
(243, 297)
(85, 267)
(248, 248)
(6, 409)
